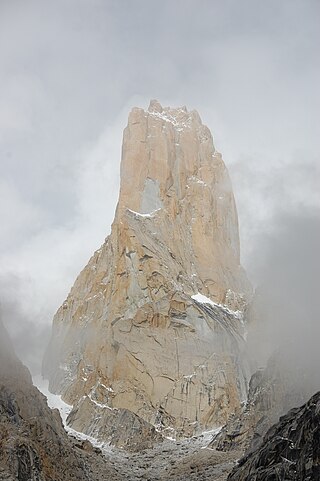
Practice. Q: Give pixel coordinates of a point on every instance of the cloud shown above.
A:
(39, 270)
(29, 334)
(269, 189)
(286, 307)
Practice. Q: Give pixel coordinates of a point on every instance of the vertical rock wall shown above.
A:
(154, 322)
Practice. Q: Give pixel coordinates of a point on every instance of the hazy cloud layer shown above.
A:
(71, 70)
(287, 268)
(287, 304)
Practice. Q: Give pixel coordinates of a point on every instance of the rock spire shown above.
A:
(154, 323)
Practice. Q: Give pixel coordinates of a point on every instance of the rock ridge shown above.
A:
(33, 443)
(290, 449)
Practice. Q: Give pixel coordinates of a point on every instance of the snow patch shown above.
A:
(189, 377)
(106, 387)
(104, 446)
(150, 214)
(178, 123)
(205, 300)
(54, 400)
(197, 181)
(210, 435)
(100, 405)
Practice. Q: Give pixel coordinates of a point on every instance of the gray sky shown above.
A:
(70, 70)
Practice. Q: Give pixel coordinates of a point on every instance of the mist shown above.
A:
(286, 306)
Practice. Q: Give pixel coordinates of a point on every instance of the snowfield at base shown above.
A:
(205, 300)
(55, 402)
(151, 463)
(212, 433)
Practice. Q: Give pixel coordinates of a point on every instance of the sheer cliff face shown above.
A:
(134, 333)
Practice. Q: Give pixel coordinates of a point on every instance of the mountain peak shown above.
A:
(180, 118)
(133, 331)
(155, 106)
(164, 151)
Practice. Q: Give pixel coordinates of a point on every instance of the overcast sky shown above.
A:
(70, 70)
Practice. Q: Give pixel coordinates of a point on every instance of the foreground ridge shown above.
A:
(34, 446)
(290, 449)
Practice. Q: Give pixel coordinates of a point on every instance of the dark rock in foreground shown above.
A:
(290, 450)
(273, 391)
(33, 443)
